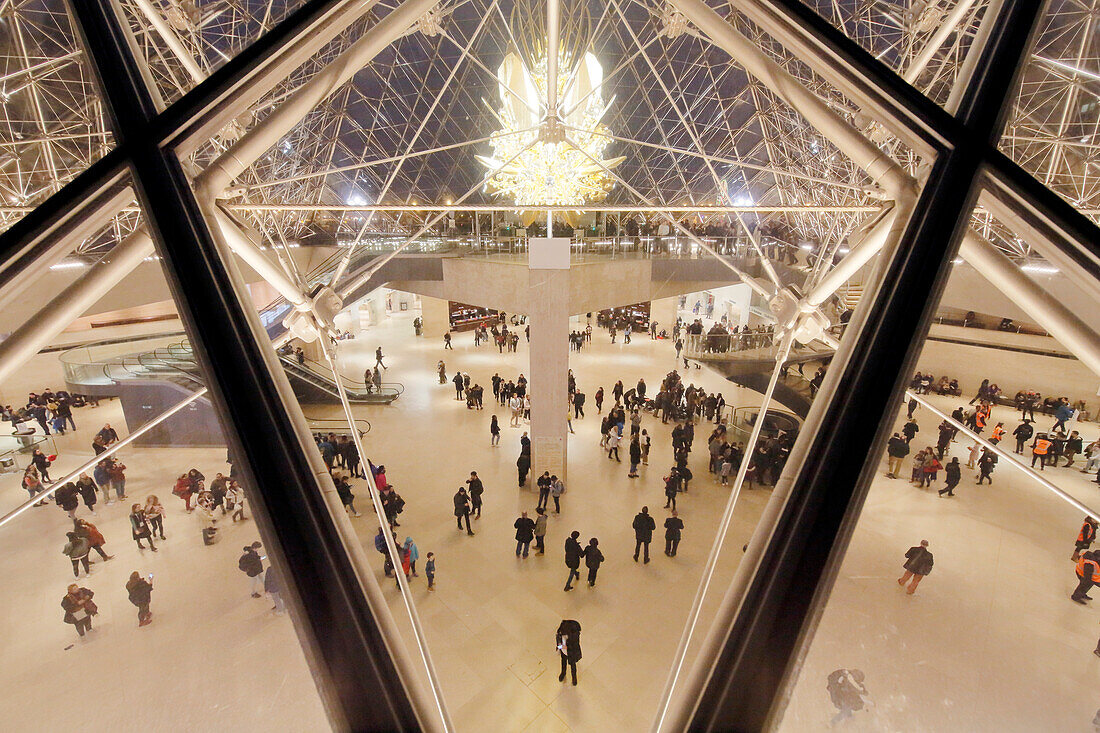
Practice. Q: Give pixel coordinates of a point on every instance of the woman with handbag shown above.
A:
(139, 526)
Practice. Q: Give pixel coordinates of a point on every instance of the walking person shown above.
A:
(573, 555)
(139, 527)
(1040, 448)
(79, 608)
(674, 527)
(525, 532)
(567, 641)
(1085, 538)
(540, 530)
(140, 592)
(1023, 433)
(378, 358)
(847, 693)
(91, 533)
(494, 432)
(274, 589)
(985, 466)
(88, 491)
(252, 565)
(77, 549)
(447, 341)
(1088, 573)
(672, 486)
(918, 563)
(462, 509)
(952, 474)
(613, 439)
(643, 532)
(593, 558)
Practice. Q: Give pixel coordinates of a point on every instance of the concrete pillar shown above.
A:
(548, 315)
(663, 311)
(376, 306)
(436, 314)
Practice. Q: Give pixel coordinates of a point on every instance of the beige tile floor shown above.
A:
(990, 641)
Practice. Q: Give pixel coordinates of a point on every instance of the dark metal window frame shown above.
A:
(787, 595)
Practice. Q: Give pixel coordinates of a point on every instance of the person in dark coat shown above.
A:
(573, 555)
(918, 563)
(139, 527)
(525, 532)
(592, 560)
(68, 498)
(140, 592)
(643, 532)
(953, 474)
(846, 691)
(1023, 433)
(674, 526)
(88, 491)
(567, 640)
(79, 608)
(523, 464)
(252, 565)
(462, 509)
(476, 490)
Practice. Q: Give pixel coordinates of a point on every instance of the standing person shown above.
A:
(378, 358)
(578, 404)
(953, 474)
(252, 565)
(442, 369)
(523, 465)
(525, 532)
(613, 439)
(1088, 571)
(593, 558)
(643, 532)
(411, 553)
(1085, 538)
(429, 571)
(635, 456)
(462, 509)
(573, 555)
(1023, 433)
(42, 463)
(543, 482)
(139, 527)
(77, 549)
(116, 469)
(910, 430)
(540, 530)
(476, 490)
(672, 486)
(68, 498)
(557, 488)
(494, 432)
(107, 434)
(1039, 450)
(567, 641)
(918, 563)
(79, 608)
(599, 400)
(273, 587)
(645, 443)
(1074, 445)
(674, 527)
(140, 592)
(847, 693)
(679, 348)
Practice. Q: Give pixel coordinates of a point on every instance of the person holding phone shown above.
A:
(568, 643)
(140, 591)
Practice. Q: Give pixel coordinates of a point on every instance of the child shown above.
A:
(429, 571)
(727, 466)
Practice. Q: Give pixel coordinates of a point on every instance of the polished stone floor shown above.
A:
(990, 640)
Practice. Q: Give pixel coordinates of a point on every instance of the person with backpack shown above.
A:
(77, 549)
(140, 593)
(252, 565)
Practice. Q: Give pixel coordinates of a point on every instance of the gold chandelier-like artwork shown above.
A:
(555, 159)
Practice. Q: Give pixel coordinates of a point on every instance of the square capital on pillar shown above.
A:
(548, 253)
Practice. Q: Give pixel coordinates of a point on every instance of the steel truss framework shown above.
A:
(171, 89)
(695, 128)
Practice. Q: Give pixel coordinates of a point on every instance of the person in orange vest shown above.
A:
(980, 419)
(998, 433)
(1088, 570)
(1085, 538)
(1039, 450)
